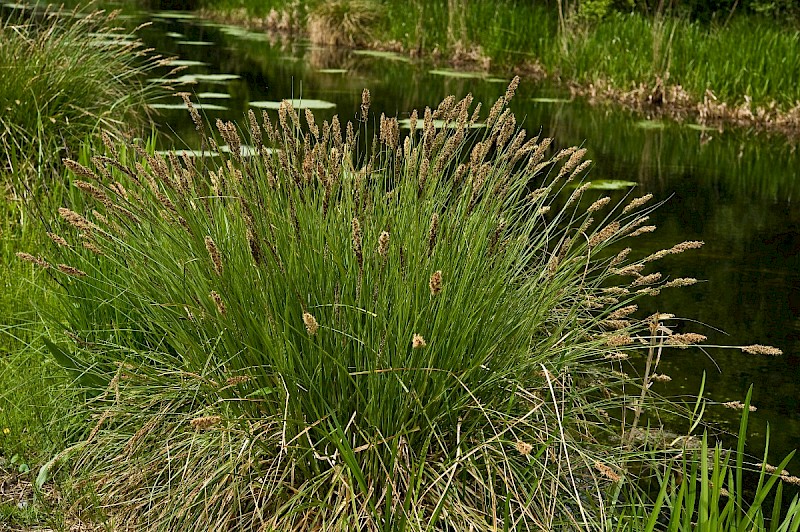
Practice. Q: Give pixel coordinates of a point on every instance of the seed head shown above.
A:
(646, 279)
(757, 349)
(76, 220)
(619, 340)
(218, 302)
(357, 249)
(642, 230)
(636, 203)
(58, 240)
(433, 230)
(599, 204)
(365, 102)
(311, 323)
(79, 169)
(523, 448)
(418, 342)
(237, 379)
(205, 422)
(795, 481)
(623, 312)
(681, 281)
(69, 270)
(607, 471)
(512, 88)
(435, 283)
(213, 252)
(738, 405)
(685, 340)
(604, 234)
(383, 244)
(27, 257)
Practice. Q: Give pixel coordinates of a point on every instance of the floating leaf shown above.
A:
(185, 63)
(650, 124)
(496, 80)
(213, 96)
(175, 35)
(195, 78)
(332, 71)
(204, 106)
(611, 184)
(392, 56)
(297, 104)
(465, 74)
(549, 100)
(195, 43)
(700, 127)
(174, 15)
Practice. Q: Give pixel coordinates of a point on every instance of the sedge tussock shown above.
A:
(355, 426)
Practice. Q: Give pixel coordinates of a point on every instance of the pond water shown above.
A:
(736, 190)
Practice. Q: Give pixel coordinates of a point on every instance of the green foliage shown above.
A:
(706, 493)
(330, 332)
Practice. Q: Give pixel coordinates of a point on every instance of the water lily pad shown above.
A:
(332, 71)
(180, 15)
(549, 100)
(214, 96)
(297, 104)
(700, 127)
(611, 184)
(438, 124)
(392, 56)
(463, 74)
(650, 124)
(195, 78)
(175, 35)
(185, 63)
(205, 106)
(195, 43)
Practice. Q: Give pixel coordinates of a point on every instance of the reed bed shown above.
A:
(357, 328)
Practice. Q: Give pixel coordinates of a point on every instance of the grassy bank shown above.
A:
(66, 78)
(740, 69)
(434, 331)
(389, 337)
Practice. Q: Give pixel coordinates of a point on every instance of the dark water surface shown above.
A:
(737, 191)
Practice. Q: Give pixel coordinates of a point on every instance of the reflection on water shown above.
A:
(736, 191)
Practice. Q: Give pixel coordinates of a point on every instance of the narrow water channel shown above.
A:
(736, 190)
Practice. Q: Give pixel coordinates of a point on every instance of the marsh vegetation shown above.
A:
(438, 322)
